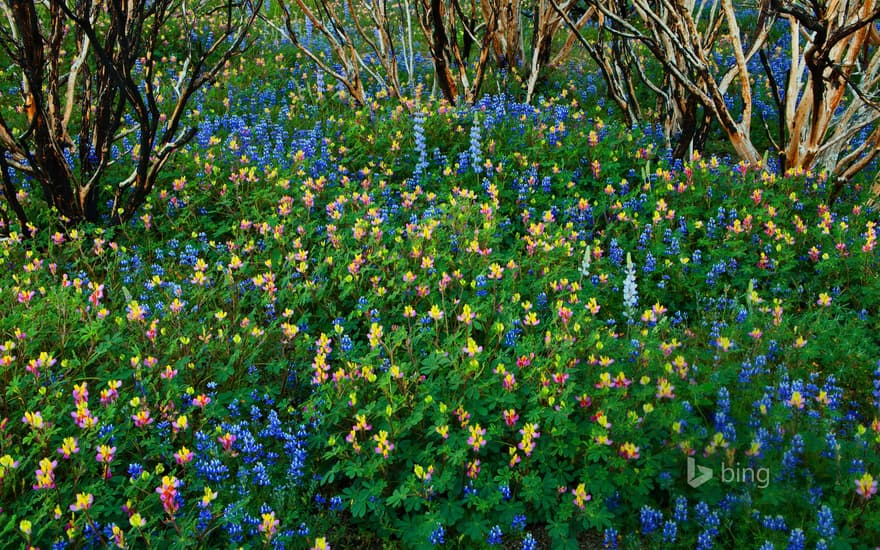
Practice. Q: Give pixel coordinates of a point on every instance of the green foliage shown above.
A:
(364, 355)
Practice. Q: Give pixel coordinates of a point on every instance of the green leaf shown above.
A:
(451, 511)
(397, 497)
(476, 528)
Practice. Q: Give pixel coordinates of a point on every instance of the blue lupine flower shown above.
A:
(495, 535)
(106, 430)
(832, 447)
(512, 335)
(205, 517)
(615, 253)
(609, 539)
(797, 540)
(336, 503)
(825, 523)
(438, 536)
(421, 144)
(650, 519)
(650, 263)
(680, 512)
(211, 469)
(135, 470)
(260, 476)
(541, 300)
(476, 155)
(792, 457)
(705, 541)
(876, 392)
(774, 523)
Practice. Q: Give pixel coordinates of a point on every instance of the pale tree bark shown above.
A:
(548, 17)
(833, 88)
(507, 41)
(353, 29)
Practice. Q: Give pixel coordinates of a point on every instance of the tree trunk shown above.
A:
(440, 49)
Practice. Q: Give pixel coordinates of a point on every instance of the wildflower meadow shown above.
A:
(413, 322)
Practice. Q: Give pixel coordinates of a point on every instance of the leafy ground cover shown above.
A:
(413, 325)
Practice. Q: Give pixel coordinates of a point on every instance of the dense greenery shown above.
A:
(411, 324)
